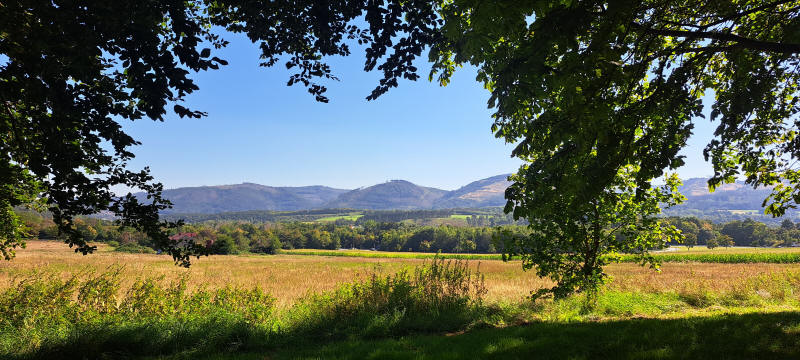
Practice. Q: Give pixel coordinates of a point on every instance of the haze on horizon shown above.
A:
(258, 130)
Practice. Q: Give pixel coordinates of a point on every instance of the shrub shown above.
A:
(134, 248)
(438, 296)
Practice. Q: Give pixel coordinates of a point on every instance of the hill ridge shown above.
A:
(401, 194)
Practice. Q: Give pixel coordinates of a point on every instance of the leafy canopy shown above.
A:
(587, 88)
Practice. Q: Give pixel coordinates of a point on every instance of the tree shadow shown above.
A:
(729, 336)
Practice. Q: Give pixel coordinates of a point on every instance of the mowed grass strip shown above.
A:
(391, 255)
(788, 257)
(723, 258)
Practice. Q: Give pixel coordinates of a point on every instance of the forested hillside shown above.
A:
(247, 196)
(735, 201)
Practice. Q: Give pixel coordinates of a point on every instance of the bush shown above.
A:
(134, 248)
(438, 296)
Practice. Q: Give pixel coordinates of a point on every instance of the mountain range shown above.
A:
(394, 194)
(401, 194)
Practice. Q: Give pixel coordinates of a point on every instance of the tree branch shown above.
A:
(781, 48)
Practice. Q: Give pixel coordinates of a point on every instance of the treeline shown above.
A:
(746, 232)
(244, 237)
(231, 238)
(721, 216)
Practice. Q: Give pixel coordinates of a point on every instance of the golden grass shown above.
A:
(289, 277)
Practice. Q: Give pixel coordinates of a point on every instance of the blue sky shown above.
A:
(259, 130)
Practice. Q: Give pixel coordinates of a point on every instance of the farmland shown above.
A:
(702, 255)
(268, 301)
(348, 217)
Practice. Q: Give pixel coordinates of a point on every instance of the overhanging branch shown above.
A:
(742, 42)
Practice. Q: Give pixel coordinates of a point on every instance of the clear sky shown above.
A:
(259, 130)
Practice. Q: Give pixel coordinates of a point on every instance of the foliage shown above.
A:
(586, 89)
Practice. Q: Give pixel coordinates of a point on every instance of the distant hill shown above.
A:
(395, 194)
(736, 199)
(247, 196)
(734, 196)
(482, 193)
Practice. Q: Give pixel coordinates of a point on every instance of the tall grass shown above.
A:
(89, 316)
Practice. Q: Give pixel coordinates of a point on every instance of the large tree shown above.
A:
(573, 250)
(72, 71)
(588, 90)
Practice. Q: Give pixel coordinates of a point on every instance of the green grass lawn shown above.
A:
(350, 217)
(459, 216)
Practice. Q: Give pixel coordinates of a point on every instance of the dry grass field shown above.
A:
(290, 277)
(55, 303)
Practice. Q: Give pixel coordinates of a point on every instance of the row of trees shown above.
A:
(230, 238)
(240, 237)
(746, 232)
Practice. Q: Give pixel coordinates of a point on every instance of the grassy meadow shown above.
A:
(55, 303)
(675, 254)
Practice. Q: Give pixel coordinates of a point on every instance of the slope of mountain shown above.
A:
(395, 194)
(400, 194)
(248, 196)
(734, 196)
(482, 193)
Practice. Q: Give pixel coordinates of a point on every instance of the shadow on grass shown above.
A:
(747, 336)
(729, 336)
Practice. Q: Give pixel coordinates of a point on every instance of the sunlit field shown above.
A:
(252, 306)
(730, 250)
(289, 277)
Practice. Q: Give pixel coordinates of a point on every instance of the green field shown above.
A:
(350, 217)
(390, 254)
(703, 255)
(459, 216)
